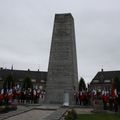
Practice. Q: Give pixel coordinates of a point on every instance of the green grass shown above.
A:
(98, 117)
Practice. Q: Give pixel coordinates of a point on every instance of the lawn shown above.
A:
(98, 117)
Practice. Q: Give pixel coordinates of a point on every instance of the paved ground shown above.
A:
(48, 107)
(83, 110)
(45, 112)
(57, 115)
(20, 109)
(32, 112)
(32, 115)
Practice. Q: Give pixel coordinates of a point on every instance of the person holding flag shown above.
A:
(1, 97)
(114, 96)
(114, 90)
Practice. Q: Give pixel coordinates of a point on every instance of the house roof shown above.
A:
(106, 75)
(21, 74)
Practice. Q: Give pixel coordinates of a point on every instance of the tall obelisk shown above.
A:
(62, 70)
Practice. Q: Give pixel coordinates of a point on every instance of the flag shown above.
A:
(113, 89)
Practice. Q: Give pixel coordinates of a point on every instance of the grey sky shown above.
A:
(26, 30)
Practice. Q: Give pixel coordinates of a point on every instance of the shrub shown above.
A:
(71, 115)
(3, 109)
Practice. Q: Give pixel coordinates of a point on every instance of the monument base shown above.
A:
(61, 96)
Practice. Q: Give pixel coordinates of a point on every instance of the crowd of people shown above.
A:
(82, 98)
(111, 101)
(21, 96)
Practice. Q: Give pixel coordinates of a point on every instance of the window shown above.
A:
(0, 78)
(96, 81)
(42, 81)
(107, 81)
(20, 80)
(33, 80)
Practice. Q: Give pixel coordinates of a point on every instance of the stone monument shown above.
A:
(62, 75)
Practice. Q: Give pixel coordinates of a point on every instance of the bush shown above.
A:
(7, 107)
(3, 109)
(71, 115)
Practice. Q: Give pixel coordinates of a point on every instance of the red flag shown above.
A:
(113, 89)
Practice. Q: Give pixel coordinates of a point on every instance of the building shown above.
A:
(38, 78)
(103, 80)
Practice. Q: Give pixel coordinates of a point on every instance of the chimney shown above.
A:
(101, 70)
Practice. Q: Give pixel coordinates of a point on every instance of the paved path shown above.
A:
(45, 112)
(57, 115)
(20, 109)
(83, 110)
(32, 115)
(54, 112)
(48, 107)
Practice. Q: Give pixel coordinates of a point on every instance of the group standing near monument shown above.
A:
(110, 100)
(62, 77)
(21, 96)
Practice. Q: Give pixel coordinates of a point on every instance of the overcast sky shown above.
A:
(26, 30)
